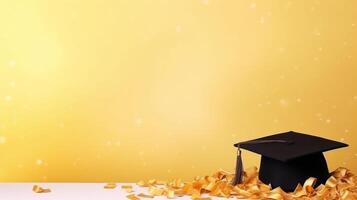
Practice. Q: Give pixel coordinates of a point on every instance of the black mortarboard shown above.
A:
(288, 159)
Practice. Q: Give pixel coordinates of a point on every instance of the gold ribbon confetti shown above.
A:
(342, 185)
(38, 189)
(133, 197)
(110, 186)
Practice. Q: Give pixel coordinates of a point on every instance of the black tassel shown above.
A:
(238, 178)
(239, 169)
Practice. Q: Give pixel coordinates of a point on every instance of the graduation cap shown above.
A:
(288, 159)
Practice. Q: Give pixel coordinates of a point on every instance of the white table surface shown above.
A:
(71, 191)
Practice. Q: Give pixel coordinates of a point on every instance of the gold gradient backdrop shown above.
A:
(122, 90)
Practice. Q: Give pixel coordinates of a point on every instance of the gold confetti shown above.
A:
(127, 188)
(142, 184)
(146, 195)
(170, 194)
(110, 186)
(152, 181)
(132, 197)
(156, 191)
(342, 185)
(38, 189)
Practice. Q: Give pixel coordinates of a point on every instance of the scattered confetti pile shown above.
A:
(341, 185)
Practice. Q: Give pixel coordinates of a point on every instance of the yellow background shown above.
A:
(110, 90)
